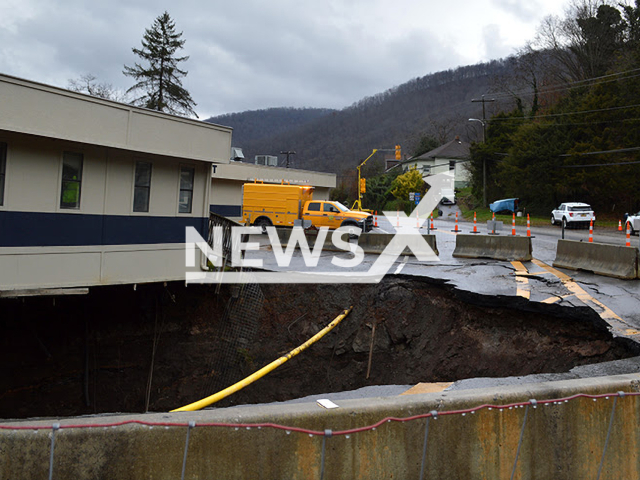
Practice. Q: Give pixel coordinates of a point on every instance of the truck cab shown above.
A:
(332, 214)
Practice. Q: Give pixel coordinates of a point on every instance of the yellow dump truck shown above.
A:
(265, 205)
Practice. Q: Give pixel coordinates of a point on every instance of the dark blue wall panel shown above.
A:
(227, 210)
(35, 229)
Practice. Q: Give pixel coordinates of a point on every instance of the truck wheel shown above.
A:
(351, 228)
(262, 223)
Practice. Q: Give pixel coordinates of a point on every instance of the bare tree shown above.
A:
(87, 83)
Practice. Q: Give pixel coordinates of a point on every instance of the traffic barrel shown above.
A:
(591, 231)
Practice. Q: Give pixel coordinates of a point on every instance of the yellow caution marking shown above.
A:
(605, 312)
(428, 388)
(555, 299)
(522, 287)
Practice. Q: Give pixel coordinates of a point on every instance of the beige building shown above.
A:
(227, 181)
(94, 192)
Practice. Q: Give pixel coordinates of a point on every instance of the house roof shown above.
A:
(456, 149)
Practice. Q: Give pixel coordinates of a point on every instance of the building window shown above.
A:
(186, 189)
(142, 187)
(452, 165)
(3, 169)
(71, 180)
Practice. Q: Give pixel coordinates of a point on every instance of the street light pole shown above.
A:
(484, 163)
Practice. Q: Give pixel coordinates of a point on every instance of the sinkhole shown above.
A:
(159, 347)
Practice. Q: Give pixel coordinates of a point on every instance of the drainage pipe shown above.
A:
(205, 402)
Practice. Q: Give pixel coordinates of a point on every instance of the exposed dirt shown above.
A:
(94, 353)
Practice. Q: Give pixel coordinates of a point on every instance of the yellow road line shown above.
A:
(605, 312)
(522, 287)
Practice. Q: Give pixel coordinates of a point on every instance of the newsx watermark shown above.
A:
(346, 266)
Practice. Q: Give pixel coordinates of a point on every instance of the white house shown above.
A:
(450, 157)
(95, 192)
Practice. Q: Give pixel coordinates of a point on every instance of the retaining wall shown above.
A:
(562, 439)
(610, 260)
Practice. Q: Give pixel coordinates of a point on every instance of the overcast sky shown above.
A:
(254, 54)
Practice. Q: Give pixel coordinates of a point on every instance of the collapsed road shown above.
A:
(158, 349)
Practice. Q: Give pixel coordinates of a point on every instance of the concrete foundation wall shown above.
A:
(563, 440)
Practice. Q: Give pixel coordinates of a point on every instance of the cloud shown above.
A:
(524, 11)
(252, 54)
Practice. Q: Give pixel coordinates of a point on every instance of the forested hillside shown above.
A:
(255, 125)
(437, 105)
(579, 139)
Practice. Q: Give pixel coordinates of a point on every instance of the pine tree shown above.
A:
(160, 81)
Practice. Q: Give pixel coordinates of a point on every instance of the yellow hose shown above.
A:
(205, 402)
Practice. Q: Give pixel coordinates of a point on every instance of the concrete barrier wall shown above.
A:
(375, 243)
(311, 235)
(563, 440)
(507, 247)
(372, 243)
(610, 260)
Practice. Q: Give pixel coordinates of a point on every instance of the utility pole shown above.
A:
(484, 115)
(484, 138)
(288, 153)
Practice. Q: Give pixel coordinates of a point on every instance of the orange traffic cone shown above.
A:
(619, 225)
(628, 235)
(417, 220)
(513, 225)
(591, 231)
(528, 226)
(432, 227)
(375, 219)
(456, 228)
(475, 228)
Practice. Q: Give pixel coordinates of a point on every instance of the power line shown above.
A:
(619, 150)
(599, 165)
(570, 85)
(549, 115)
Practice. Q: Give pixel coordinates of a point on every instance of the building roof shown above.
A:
(36, 109)
(456, 149)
